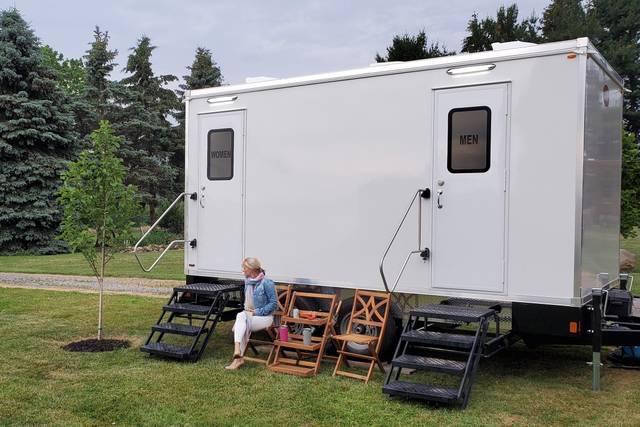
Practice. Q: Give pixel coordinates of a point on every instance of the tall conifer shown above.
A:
(143, 122)
(36, 139)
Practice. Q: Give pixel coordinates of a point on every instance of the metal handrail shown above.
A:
(135, 248)
(384, 278)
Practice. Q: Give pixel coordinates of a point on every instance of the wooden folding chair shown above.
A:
(301, 365)
(283, 296)
(370, 309)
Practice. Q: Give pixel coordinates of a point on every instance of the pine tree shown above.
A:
(143, 123)
(410, 48)
(36, 140)
(564, 20)
(204, 72)
(504, 28)
(99, 63)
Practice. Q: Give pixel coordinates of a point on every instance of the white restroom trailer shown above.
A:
(519, 149)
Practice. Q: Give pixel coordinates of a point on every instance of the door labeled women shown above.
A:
(469, 187)
(221, 141)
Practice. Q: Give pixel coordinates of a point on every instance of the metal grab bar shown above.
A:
(384, 256)
(193, 196)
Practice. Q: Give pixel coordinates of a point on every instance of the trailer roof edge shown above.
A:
(581, 45)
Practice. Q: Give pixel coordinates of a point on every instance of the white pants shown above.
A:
(257, 323)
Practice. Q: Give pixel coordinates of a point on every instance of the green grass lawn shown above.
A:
(41, 384)
(122, 265)
(633, 245)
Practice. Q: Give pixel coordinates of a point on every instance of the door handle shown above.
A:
(438, 199)
(202, 197)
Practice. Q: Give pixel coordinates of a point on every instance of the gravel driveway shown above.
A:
(116, 285)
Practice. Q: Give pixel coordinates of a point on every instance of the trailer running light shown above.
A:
(471, 69)
(221, 99)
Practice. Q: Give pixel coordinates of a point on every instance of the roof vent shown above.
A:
(510, 45)
(259, 79)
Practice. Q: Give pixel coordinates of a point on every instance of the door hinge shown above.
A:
(193, 243)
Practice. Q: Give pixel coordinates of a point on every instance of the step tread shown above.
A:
(429, 363)
(179, 307)
(178, 329)
(208, 288)
(453, 312)
(421, 391)
(439, 338)
(302, 371)
(168, 350)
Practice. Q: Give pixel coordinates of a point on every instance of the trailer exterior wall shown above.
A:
(330, 166)
(600, 243)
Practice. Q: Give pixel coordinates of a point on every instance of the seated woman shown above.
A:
(259, 304)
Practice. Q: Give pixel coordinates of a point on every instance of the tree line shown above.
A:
(50, 105)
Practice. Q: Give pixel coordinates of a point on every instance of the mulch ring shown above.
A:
(94, 345)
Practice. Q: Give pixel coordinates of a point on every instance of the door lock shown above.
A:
(438, 200)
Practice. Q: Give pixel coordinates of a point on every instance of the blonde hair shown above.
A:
(252, 263)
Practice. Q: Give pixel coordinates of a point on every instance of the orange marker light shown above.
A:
(573, 327)
(571, 56)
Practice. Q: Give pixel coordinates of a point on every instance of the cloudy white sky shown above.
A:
(275, 38)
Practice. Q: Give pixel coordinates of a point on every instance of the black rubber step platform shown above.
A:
(209, 288)
(178, 329)
(441, 311)
(442, 339)
(166, 350)
(183, 308)
(431, 364)
(421, 391)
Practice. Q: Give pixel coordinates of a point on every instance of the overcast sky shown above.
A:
(274, 38)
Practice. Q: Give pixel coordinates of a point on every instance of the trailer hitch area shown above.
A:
(425, 254)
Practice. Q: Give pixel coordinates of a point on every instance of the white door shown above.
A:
(469, 185)
(220, 237)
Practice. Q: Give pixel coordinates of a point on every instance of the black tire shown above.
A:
(392, 334)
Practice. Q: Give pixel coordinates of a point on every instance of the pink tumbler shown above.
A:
(283, 333)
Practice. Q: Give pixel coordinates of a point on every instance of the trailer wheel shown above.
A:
(391, 336)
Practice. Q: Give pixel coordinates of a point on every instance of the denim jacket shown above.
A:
(264, 298)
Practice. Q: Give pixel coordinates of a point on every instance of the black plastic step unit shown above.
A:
(432, 364)
(421, 391)
(440, 339)
(178, 329)
(167, 350)
(452, 312)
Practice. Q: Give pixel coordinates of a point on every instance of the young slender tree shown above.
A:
(409, 48)
(98, 207)
(36, 140)
(143, 122)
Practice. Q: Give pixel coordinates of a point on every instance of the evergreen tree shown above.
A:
(143, 123)
(618, 38)
(564, 20)
(410, 48)
(204, 72)
(36, 139)
(99, 63)
(504, 28)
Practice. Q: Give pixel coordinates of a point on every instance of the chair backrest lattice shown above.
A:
(283, 296)
(370, 308)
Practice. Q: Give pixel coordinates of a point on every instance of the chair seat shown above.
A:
(357, 338)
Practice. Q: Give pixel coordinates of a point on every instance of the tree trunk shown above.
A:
(152, 211)
(101, 281)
